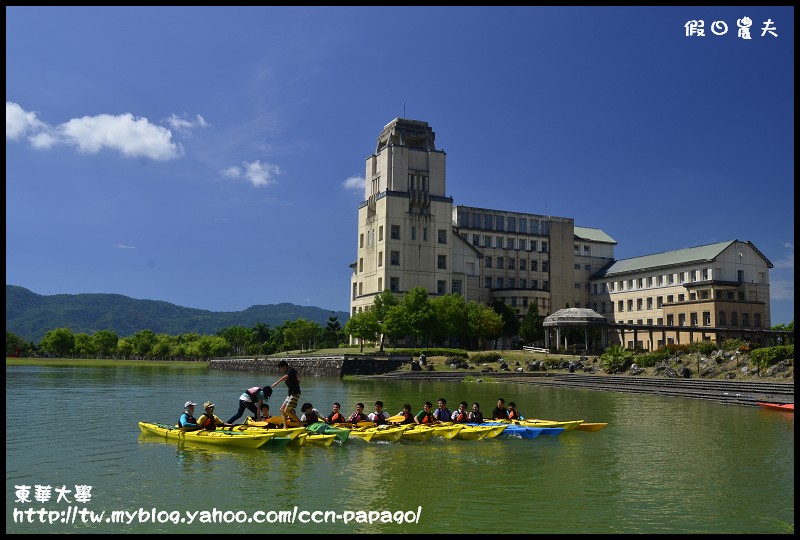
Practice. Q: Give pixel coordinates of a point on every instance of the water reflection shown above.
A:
(662, 464)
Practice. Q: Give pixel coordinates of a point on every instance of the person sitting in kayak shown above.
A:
(442, 413)
(460, 415)
(265, 411)
(359, 415)
(248, 401)
(310, 414)
(475, 415)
(513, 413)
(500, 412)
(425, 416)
(208, 420)
(187, 421)
(335, 417)
(379, 416)
(408, 418)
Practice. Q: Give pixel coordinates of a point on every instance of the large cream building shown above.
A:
(411, 235)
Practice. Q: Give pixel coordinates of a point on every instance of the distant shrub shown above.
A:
(704, 347)
(768, 356)
(734, 344)
(616, 359)
(485, 357)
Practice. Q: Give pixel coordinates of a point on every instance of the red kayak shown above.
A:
(777, 406)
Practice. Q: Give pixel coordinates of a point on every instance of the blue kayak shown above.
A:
(525, 432)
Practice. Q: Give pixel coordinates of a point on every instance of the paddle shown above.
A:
(396, 418)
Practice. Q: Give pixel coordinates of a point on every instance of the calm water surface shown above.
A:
(663, 465)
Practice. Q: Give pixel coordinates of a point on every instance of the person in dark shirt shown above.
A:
(359, 415)
(335, 417)
(292, 379)
(475, 415)
(500, 412)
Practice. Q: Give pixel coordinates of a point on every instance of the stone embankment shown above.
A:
(316, 366)
(724, 391)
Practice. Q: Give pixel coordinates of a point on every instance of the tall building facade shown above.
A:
(411, 235)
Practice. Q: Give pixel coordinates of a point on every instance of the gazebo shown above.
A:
(571, 318)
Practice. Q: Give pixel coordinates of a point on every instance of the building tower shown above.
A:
(404, 222)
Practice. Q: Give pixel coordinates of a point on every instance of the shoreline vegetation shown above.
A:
(734, 367)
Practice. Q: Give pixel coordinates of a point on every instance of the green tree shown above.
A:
(105, 343)
(59, 342)
(532, 328)
(511, 322)
(333, 334)
(301, 334)
(14, 344)
(484, 323)
(238, 338)
(396, 324)
(363, 326)
(419, 313)
(381, 306)
(84, 346)
(142, 342)
(125, 348)
(449, 317)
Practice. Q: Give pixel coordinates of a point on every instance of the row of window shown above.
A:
(661, 280)
(518, 244)
(394, 260)
(497, 222)
(500, 263)
(441, 235)
(511, 283)
(722, 319)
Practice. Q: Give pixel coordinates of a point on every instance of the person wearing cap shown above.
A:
(208, 420)
(248, 401)
(187, 420)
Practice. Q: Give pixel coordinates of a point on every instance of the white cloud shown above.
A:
(257, 173)
(132, 137)
(123, 246)
(354, 182)
(787, 262)
(19, 121)
(180, 124)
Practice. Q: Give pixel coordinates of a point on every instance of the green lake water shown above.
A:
(663, 465)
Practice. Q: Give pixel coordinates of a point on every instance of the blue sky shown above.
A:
(214, 157)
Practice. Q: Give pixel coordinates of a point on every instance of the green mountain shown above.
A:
(31, 316)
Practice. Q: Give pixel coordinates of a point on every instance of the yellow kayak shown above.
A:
(276, 432)
(386, 433)
(475, 433)
(448, 431)
(219, 437)
(417, 433)
(568, 425)
(364, 434)
(321, 439)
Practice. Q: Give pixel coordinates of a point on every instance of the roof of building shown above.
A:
(593, 235)
(569, 316)
(697, 254)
